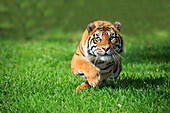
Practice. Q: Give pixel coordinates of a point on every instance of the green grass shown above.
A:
(35, 76)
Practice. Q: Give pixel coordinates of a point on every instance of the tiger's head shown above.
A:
(105, 41)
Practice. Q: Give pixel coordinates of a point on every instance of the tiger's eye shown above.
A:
(98, 39)
(112, 38)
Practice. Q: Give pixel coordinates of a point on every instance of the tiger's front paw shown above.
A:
(83, 86)
(94, 80)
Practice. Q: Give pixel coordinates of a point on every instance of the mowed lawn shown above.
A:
(36, 76)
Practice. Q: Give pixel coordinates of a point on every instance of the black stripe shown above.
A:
(111, 63)
(77, 54)
(81, 51)
(91, 41)
(108, 72)
(112, 29)
(82, 48)
(121, 50)
(104, 28)
(101, 62)
(115, 70)
(92, 47)
(91, 53)
(94, 41)
(106, 67)
(88, 42)
(92, 61)
(81, 73)
(116, 35)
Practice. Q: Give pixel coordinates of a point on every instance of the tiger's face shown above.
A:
(105, 43)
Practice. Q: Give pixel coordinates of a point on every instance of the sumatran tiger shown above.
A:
(97, 57)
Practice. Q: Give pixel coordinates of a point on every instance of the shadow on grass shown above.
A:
(144, 54)
(153, 85)
(141, 83)
(145, 83)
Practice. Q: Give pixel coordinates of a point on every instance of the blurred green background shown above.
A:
(30, 18)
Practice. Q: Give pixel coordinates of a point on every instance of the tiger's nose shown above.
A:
(106, 48)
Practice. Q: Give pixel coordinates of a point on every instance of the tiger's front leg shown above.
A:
(81, 65)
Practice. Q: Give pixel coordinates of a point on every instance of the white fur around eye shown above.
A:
(98, 39)
(110, 32)
(112, 37)
(98, 33)
(98, 36)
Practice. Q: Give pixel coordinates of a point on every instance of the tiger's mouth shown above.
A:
(107, 57)
(106, 53)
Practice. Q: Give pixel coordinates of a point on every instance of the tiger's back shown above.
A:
(97, 57)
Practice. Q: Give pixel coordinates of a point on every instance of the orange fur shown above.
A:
(83, 86)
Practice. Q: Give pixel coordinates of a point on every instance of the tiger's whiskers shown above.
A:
(118, 54)
(116, 58)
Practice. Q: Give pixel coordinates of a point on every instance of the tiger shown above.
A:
(98, 55)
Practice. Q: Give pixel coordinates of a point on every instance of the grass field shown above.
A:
(35, 76)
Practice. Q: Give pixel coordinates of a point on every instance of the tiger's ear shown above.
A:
(90, 27)
(117, 25)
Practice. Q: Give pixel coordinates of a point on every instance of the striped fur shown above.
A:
(97, 57)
